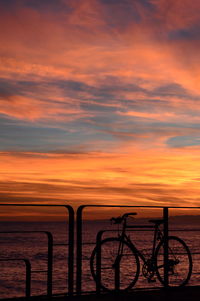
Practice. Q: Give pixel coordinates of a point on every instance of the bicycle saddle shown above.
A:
(157, 221)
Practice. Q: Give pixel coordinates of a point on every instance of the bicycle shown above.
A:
(120, 264)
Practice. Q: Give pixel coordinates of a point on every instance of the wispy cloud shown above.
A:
(83, 81)
(127, 176)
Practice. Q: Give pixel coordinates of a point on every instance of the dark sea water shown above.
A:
(33, 246)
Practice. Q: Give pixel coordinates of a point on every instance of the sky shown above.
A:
(100, 102)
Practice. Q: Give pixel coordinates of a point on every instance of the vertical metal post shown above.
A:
(50, 264)
(166, 230)
(79, 250)
(71, 251)
(98, 260)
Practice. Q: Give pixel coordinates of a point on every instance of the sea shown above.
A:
(33, 246)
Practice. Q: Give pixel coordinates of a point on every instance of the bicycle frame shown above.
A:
(158, 235)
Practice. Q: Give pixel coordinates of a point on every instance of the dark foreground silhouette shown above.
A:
(169, 261)
(172, 294)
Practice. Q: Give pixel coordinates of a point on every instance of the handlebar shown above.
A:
(120, 219)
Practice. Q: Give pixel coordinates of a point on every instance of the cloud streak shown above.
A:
(129, 177)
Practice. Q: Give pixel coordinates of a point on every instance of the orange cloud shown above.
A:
(134, 176)
(123, 76)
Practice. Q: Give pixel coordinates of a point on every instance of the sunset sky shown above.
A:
(100, 102)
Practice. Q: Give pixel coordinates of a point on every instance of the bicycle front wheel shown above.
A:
(129, 265)
(179, 265)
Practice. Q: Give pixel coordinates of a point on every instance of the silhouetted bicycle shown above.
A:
(120, 264)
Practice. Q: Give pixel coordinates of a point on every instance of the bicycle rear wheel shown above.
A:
(179, 262)
(129, 266)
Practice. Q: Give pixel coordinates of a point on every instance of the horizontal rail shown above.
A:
(57, 245)
(140, 226)
(184, 230)
(39, 271)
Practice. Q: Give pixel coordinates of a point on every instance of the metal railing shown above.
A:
(69, 238)
(79, 245)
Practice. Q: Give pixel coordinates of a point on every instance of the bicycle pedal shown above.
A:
(151, 280)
